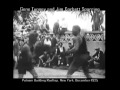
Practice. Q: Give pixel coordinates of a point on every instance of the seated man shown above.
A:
(53, 57)
(54, 60)
(101, 58)
(50, 62)
(69, 57)
(62, 54)
(43, 58)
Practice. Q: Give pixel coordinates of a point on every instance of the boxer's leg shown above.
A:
(21, 72)
(73, 67)
(21, 75)
(86, 72)
(71, 70)
(85, 64)
(34, 74)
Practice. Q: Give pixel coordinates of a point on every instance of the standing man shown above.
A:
(16, 49)
(97, 19)
(80, 53)
(53, 45)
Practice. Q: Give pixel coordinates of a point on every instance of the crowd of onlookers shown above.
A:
(55, 54)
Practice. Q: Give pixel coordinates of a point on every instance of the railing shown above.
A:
(94, 39)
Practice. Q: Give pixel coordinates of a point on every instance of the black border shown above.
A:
(9, 68)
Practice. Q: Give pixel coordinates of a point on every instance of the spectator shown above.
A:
(62, 54)
(54, 60)
(43, 59)
(47, 41)
(101, 57)
(69, 58)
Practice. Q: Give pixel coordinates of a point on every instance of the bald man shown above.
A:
(80, 53)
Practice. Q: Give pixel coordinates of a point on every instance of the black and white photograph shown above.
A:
(59, 43)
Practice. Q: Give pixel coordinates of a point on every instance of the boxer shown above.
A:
(25, 62)
(80, 53)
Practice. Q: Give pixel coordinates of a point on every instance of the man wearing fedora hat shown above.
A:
(101, 57)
